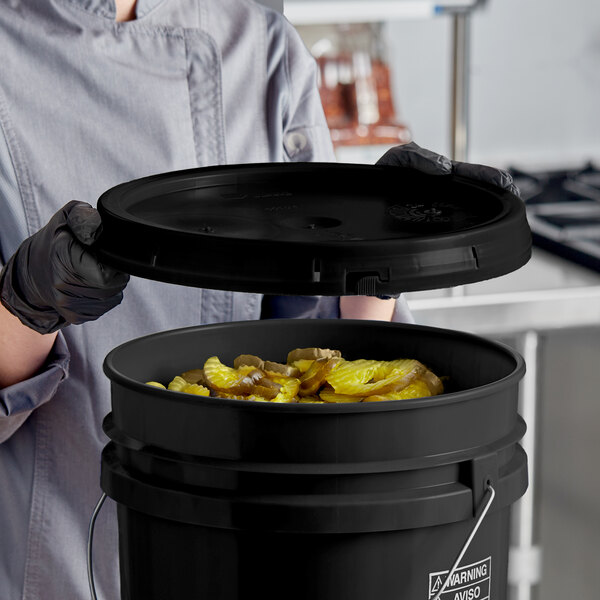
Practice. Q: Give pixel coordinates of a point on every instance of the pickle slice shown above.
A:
(303, 364)
(311, 354)
(311, 400)
(198, 390)
(231, 396)
(289, 391)
(369, 377)
(416, 389)
(287, 370)
(255, 398)
(351, 373)
(248, 360)
(195, 376)
(222, 378)
(156, 384)
(268, 393)
(179, 384)
(331, 396)
(433, 382)
(316, 376)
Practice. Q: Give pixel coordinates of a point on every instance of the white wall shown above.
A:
(535, 81)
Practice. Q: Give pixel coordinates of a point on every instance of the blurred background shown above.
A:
(533, 79)
(514, 84)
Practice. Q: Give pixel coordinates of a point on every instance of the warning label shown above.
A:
(471, 582)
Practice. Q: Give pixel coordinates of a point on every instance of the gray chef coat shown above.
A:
(85, 104)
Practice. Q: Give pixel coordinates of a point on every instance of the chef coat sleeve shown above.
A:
(19, 400)
(293, 94)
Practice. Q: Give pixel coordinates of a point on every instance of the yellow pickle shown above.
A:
(310, 376)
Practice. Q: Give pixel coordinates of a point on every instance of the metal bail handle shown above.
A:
(485, 507)
(90, 542)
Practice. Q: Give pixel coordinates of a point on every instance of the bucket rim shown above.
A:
(312, 512)
(475, 393)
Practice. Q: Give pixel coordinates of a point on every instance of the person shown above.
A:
(94, 93)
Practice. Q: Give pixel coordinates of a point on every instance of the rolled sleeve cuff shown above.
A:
(27, 395)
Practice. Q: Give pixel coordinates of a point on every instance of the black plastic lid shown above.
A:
(312, 229)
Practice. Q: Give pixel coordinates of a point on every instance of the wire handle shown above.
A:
(486, 507)
(490, 490)
(90, 568)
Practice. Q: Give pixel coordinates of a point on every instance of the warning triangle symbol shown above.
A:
(437, 585)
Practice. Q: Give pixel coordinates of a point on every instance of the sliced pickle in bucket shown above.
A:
(311, 376)
(416, 389)
(368, 377)
(317, 375)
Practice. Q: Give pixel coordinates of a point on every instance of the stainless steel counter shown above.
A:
(548, 293)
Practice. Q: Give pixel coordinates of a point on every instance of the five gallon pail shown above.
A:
(236, 500)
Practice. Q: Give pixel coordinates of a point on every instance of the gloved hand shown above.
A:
(52, 280)
(412, 155)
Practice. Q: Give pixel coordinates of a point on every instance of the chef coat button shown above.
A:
(295, 142)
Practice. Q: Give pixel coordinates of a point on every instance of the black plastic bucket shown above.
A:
(226, 499)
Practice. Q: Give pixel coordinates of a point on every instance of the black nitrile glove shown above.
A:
(52, 280)
(411, 155)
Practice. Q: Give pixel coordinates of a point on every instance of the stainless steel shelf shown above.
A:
(549, 293)
(512, 312)
(312, 12)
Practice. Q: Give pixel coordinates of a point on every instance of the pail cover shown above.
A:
(312, 229)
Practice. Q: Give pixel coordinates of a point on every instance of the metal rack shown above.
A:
(311, 12)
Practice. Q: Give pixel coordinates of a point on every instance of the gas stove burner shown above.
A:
(563, 210)
(590, 175)
(585, 183)
(529, 185)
